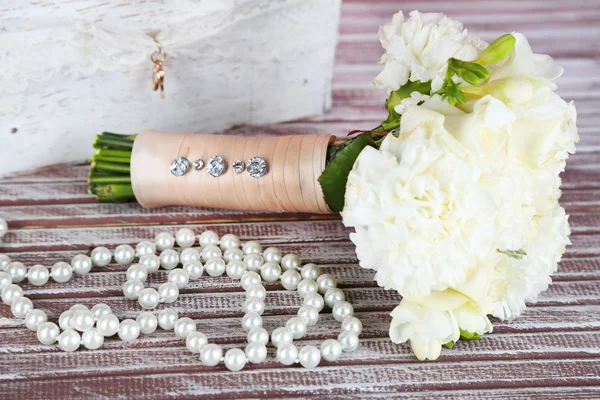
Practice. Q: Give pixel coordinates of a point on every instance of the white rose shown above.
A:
(422, 219)
(419, 48)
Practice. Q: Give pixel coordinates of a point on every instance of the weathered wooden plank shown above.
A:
(202, 382)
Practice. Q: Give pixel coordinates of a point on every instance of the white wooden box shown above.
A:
(70, 70)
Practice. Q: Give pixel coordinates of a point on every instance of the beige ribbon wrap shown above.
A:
(294, 164)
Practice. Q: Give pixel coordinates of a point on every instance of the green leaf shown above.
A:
(466, 335)
(498, 50)
(448, 345)
(516, 254)
(396, 97)
(333, 180)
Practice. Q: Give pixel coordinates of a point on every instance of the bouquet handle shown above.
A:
(294, 164)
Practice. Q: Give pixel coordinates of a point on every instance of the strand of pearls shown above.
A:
(80, 326)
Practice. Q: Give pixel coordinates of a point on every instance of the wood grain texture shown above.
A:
(551, 351)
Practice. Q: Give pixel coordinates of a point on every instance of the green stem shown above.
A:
(113, 167)
(109, 179)
(118, 160)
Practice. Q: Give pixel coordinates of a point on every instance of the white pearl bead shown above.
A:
(281, 336)
(147, 322)
(124, 254)
(233, 254)
(137, 272)
(48, 333)
(287, 354)
(332, 296)
(254, 305)
(352, 324)
(310, 271)
(100, 309)
(185, 237)
(167, 319)
(256, 352)
(3, 228)
(257, 291)
(145, 247)
(4, 261)
(77, 307)
(38, 275)
(253, 261)
(92, 339)
(128, 330)
(100, 256)
(82, 320)
(184, 326)
(169, 259)
(341, 310)
(10, 293)
(69, 340)
(64, 320)
(168, 292)
(194, 268)
(309, 315)
(230, 241)
(5, 280)
(17, 271)
(61, 272)
(290, 279)
(290, 261)
(235, 359)
(249, 278)
(252, 247)
(309, 356)
(210, 251)
(34, 319)
(195, 341)
(314, 300)
(179, 277)
(164, 241)
(215, 266)
(132, 289)
(297, 326)
(235, 269)
(151, 262)
(348, 340)
(21, 306)
(326, 282)
(209, 237)
(307, 286)
(258, 335)
(148, 298)
(272, 254)
(331, 350)
(108, 324)
(211, 355)
(189, 254)
(251, 320)
(270, 272)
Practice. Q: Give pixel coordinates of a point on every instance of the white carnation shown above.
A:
(418, 49)
(422, 220)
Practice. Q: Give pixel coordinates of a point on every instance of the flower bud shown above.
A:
(498, 50)
(470, 72)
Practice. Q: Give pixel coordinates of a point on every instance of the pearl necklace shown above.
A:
(250, 264)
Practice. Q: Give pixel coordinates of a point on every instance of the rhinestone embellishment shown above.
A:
(257, 167)
(215, 166)
(238, 166)
(180, 166)
(198, 164)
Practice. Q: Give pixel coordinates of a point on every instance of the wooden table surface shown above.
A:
(552, 351)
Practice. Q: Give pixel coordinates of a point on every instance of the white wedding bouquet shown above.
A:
(454, 198)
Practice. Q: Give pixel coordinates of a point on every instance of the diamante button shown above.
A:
(238, 166)
(215, 166)
(257, 167)
(180, 166)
